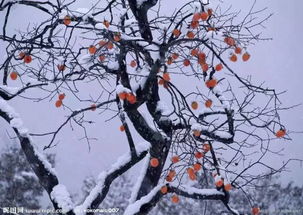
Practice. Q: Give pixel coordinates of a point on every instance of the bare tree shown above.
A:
(137, 57)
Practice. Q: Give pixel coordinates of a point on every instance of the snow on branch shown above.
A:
(40, 165)
(136, 206)
(98, 193)
(62, 197)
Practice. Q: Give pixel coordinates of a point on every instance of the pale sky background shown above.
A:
(278, 62)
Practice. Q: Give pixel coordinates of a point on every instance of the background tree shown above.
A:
(136, 60)
(19, 186)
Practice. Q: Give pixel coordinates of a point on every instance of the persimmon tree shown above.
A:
(181, 67)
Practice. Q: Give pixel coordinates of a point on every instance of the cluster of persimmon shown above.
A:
(27, 58)
(219, 182)
(130, 97)
(237, 50)
(59, 102)
(92, 49)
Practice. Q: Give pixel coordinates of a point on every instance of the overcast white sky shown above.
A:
(278, 62)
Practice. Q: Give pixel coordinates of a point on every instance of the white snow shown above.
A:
(140, 2)
(62, 197)
(205, 192)
(113, 65)
(100, 26)
(9, 90)
(135, 207)
(223, 134)
(120, 89)
(84, 12)
(80, 209)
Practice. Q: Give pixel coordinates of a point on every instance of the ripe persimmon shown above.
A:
(208, 103)
(219, 67)
(245, 56)
(204, 16)
(229, 41)
(131, 98)
(219, 183)
(117, 37)
(172, 173)
(133, 63)
(67, 20)
(233, 58)
(191, 174)
(227, 187)
(102, 57)
(61, 96)
(122, 128)
(110, 45)
(166, 76)
(175, 56)
(175, 199)
(176, 32)
(21, 55)
(190, 35)
(186, 62)
(204, 67)
(206, 147)
(196, 17)
(161, 82)
(27, 58)
(238, 50)
(175, 159)
(93, 107)
(199, 155)
(211, 83)
(210, 11)
(169, 61)
(194, 52)
(281, 133)
(197, 133)
(92, 49)
(211, 29)
(194, 24)
(255, 211)
(202, 56)
(197, 167)
(122, 95)
(194, 105)
(58, 103)
(106, 23)
(102, 43)
(163, 190)
(168, 179)
(61, 67)
(154, 162)
(13, 75)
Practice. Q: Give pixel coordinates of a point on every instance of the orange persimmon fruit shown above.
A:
(154, 162)
(58, 103)
(219, 67)
(208, 103)
(245, 56)
(13, 75)
(67, 20)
